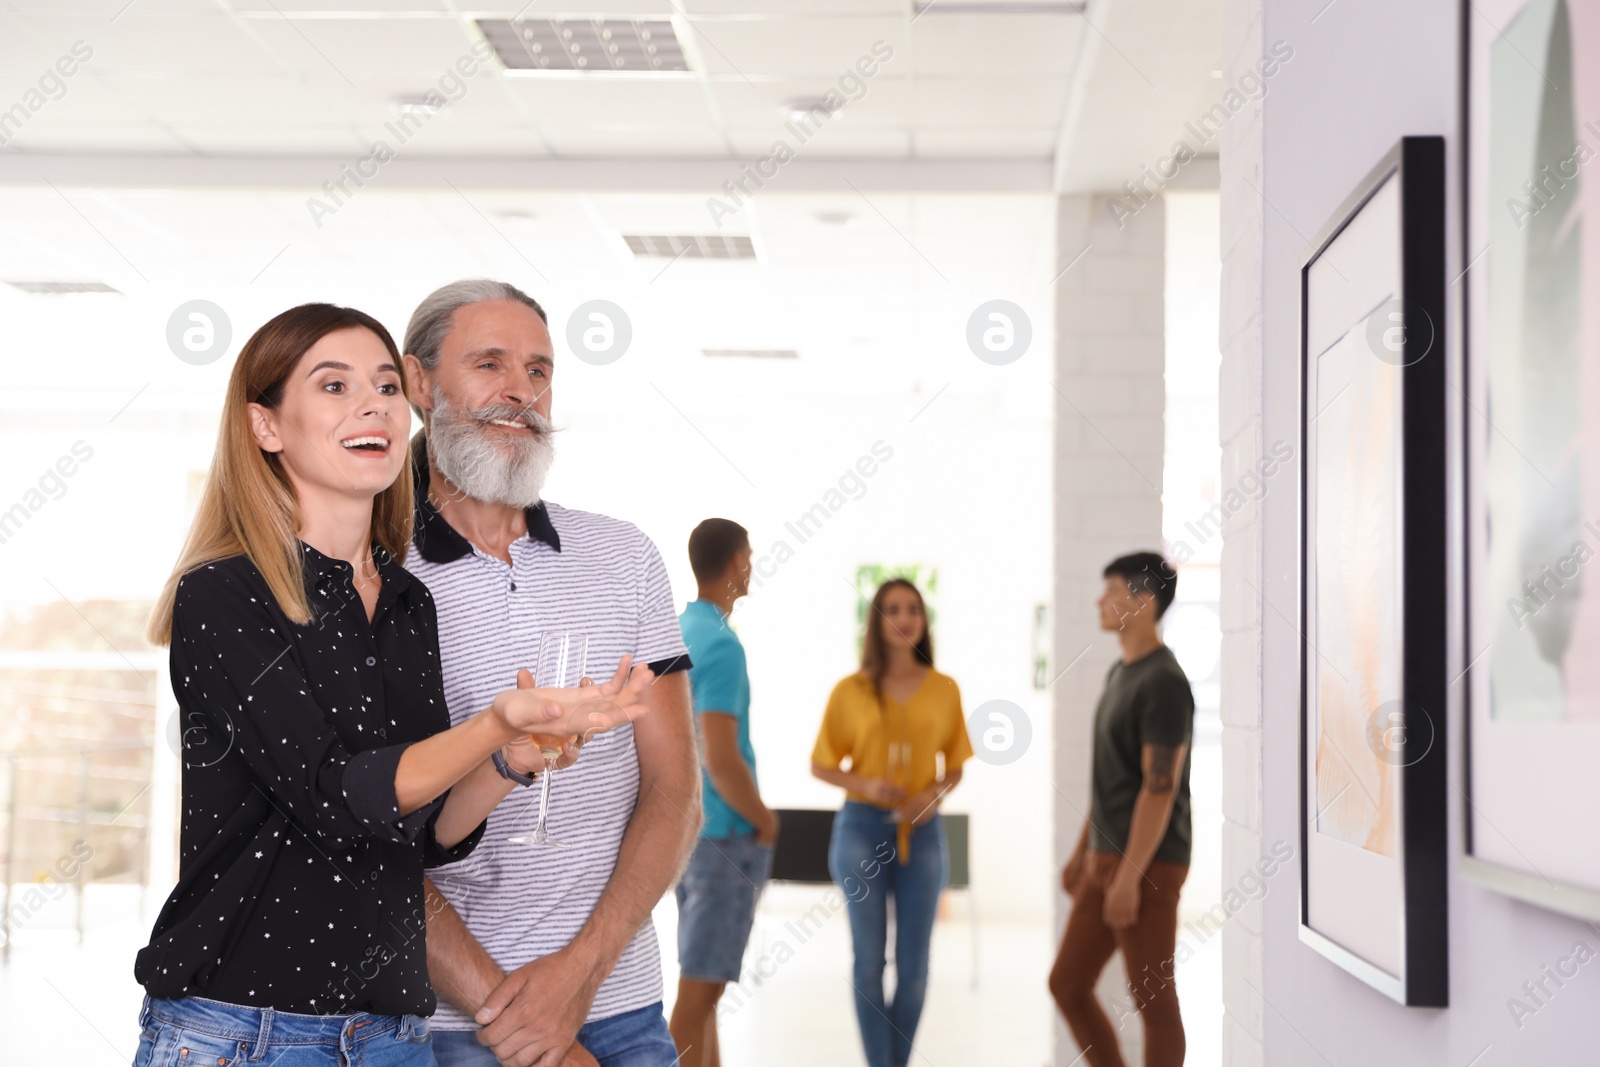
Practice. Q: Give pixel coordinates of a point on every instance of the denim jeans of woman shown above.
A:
(195, 1032)
(863, 859)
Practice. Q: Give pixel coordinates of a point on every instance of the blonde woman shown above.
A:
(895, 720)
(320, 772)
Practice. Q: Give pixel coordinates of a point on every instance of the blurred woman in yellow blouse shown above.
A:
(898, 722)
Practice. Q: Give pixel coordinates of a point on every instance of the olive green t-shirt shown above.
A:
(1146, 702)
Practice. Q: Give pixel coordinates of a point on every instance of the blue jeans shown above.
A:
(863, 859)
(197, 1032)
(633, 1039)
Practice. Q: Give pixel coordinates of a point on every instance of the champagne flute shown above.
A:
(899, 770)
(563, 656)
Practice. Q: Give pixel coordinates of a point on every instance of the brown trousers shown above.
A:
(1147, 949)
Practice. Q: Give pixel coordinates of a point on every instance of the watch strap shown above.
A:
(507, 772)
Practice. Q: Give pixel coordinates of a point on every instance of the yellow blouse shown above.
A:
(923, 726)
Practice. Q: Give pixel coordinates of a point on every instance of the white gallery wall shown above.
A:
(1363, 74)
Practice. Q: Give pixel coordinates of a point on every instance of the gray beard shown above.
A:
(508, 472)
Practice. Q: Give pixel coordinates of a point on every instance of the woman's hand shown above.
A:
(882, 792)
(919, 808)
(524, 754)
(526, 757)
(582, 711)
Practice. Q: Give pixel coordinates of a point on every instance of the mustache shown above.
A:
(526, 416)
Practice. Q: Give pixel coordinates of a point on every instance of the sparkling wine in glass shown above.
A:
(563, 656)
(899, 769)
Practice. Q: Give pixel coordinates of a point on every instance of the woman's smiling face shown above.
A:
(902, 621)
(342, 423)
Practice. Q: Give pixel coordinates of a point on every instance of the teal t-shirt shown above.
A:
(721, 685)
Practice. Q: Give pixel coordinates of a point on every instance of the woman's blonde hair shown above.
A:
(248, 507)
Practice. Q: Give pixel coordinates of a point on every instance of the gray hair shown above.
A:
(430, 323)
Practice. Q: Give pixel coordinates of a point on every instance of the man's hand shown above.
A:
(538, 1010)
(1122, 898)
(578, 1056)
(1072, 874)
(585, 710)
(767, 829)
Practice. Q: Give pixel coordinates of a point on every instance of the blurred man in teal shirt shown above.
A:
(733, 859)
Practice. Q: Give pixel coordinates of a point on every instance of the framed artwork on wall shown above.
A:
(1531, 419)
(1374, 578)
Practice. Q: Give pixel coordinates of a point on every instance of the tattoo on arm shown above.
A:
(1161, 776)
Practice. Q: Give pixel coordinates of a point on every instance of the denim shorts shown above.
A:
(195, 1032)
(717, 905)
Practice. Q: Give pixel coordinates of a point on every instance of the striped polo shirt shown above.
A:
(575, 571)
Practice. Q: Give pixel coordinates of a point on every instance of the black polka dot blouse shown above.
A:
(300, 883)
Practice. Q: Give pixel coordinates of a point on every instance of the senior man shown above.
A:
(543, 955)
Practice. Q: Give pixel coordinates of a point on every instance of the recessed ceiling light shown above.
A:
(515, 215)
(1216, 74)
(691, 246)
(414, 104)
(61, 288)
(587, 45)
(801, 108)
(834, 218)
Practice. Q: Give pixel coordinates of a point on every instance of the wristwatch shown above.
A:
(508, 773)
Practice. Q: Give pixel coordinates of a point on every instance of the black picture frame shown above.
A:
(1553, 893)
(1422, 979)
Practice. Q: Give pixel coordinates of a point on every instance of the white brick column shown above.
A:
(1109, 442)
(1242, 439)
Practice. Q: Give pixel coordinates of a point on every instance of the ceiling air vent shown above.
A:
(752, 353)
(595, 46)
(60, 288)
(692, 245)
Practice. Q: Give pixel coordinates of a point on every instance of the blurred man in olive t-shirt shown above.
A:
(1133, 853)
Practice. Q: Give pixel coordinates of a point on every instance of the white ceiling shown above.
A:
(874, 292)
(209, 77)
(1100, 90)
(179, 162)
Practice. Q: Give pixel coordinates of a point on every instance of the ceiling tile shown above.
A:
(996, 44)
(242, 100)
(472, 140)
(824, 48)
(261, 138)
(866, 144)
(615, 102)
(561, 8)
(308, 8)
(582, 140)
(125, 137)
(1017, 142)
(881, 101)
(85, 101)
(977, 101)
(360, 49)
(194, 45)
(485, 98)
(809, 8)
